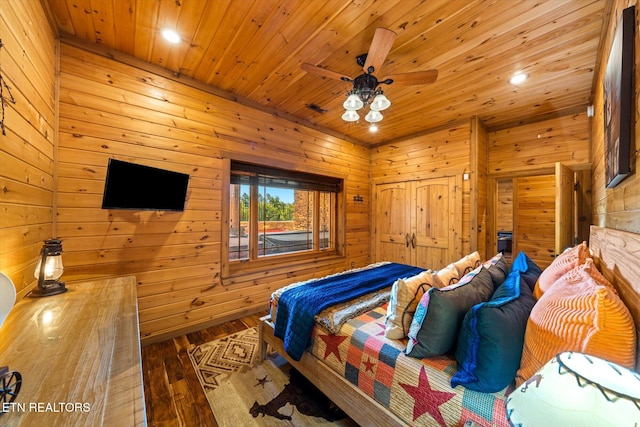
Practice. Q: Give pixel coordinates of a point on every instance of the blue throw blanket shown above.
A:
(298, 307)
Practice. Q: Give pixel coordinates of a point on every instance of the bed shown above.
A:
(374, 361)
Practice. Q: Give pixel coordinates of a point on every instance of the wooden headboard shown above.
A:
(617, 255)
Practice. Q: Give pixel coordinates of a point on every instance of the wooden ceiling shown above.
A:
(254, 49)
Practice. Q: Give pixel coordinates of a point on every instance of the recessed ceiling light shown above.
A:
(518, 78)
(171, 36)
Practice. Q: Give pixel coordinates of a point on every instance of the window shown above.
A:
(274, 212)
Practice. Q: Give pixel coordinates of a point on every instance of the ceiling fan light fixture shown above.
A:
(373, 116)
(353, 102)
(373, 127)
(350, 116)
(380, 103)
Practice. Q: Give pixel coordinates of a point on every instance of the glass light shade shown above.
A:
(350, 116)
(380, 102)
(353, 103)
(373, 116)
(53, 267)
(48, 270)
(575, 389)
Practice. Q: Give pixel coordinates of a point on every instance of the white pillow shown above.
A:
(405, 295)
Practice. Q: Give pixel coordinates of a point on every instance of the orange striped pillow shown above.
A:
(560, 266)
(578, 314)
(584, 271)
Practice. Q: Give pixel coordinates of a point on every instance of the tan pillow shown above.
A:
(578, 314)
(560, 266)
(405, 295)
(446, 277)
(467, 263)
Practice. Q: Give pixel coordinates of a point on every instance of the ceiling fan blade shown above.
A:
(380, 46)
(314, 69)
(416, 78)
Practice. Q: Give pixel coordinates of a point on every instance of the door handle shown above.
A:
(406, 240)
(413, 241)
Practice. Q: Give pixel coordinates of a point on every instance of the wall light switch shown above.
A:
(465, 176)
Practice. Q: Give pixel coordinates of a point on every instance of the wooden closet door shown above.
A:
(419, 222)
(437, 222)
(393, 224)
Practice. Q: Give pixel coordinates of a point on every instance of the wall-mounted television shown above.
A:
(139, 187)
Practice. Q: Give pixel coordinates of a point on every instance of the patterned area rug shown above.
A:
(244, 393)
(215, 360)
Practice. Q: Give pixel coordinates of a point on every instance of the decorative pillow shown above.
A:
(529, 270)
(468, 263)
(405, 295)
(560, 266)
(490, 340)
(446, 276)
(498, 269)
(584, 271)
(440, 312)
(578, 315)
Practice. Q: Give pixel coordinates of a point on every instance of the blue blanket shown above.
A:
(298, 307)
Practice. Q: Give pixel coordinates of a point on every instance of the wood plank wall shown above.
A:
(444, 152)
(27, 149)
(112, 109)
(619, 207)
(531, 147)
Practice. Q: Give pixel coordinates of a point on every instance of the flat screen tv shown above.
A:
(133, 186)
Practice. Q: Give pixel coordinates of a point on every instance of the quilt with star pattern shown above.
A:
(416, 390)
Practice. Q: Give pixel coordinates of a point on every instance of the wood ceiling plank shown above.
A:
(124, 15)
(197, 24)
(146, 18)
(103, 21)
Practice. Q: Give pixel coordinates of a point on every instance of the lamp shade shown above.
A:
(52, 264)
(48, 270)
(575, 389)
(373, 116)
(380, 102)
(350, 116)
(353, 103)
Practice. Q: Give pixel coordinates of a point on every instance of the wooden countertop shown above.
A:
(79, 356)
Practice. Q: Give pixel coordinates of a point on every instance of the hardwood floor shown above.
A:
(173, 395)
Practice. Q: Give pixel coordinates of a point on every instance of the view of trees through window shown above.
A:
(285, 220)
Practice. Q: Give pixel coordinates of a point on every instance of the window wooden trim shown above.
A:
(231, 269)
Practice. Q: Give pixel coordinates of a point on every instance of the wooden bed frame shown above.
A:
(616, 253)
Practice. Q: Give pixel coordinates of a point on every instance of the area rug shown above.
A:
(242, 392)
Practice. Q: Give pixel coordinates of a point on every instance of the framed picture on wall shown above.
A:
(618, 101)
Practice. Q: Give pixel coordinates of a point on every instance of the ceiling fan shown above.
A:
(366, 86)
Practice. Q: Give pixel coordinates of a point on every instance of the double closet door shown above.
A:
(419, 222)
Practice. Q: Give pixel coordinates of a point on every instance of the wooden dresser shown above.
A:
(79, 356)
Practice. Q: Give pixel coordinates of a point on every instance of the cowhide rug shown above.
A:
(244, 393)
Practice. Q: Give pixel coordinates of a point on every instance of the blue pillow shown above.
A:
(529, 270)
(491, 338)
